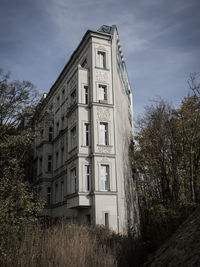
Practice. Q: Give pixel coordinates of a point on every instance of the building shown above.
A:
(83, 133)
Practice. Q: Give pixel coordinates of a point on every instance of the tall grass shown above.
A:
(61, 245)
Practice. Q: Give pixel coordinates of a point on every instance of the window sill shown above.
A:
(100, 145)
(99, 68)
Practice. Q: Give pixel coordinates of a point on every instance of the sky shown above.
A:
(160, 40)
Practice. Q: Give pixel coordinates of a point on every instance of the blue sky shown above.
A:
(160, 40)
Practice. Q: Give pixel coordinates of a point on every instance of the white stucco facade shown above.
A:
(83, 133)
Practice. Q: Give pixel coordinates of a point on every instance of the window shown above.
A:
(88, 219)
(58, 101)
(63, 122)
(40, 165)
(49, 166)
(101, 58)
(73, 97)
(103, 134)
(102, 92)
(57, 127)
(85, 95)
(42, 134)
(63, 94)
(86, 134)
(56, 193)
(51, 108)
(62, 191)
(106, 219)
(50, 134)
(48, 195)
(56, 162)
(73, 137)
(84, 63)
(62, 155)
(73, 180)
(87, 177)
(104, 178)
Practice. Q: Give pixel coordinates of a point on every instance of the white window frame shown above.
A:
(103, 92)
(87, 177)
(101, 59)
(104, 177)
(85, 94)
(103, 134)
(86, 134)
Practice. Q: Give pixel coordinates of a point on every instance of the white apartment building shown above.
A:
(83, 133)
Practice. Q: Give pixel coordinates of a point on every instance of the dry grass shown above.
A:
(61, 245)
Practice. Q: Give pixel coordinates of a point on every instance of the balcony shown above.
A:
(78, 200)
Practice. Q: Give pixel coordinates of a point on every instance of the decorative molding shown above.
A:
(101, 76)
(103, 114)
(104, 149)
(102, 48)
(105, 159)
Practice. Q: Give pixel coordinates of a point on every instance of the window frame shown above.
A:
(101, 59)
(57, 159)
(86, 134)
(73, 180)
(50, 134)
(103, 134)
(105, 181)
(40, 164)
(49, 163)
(73, 138)
(62, 190)
(85, 94)
(105, 93)
(106, 219)
(87, 177)
(84, 63)
(73, 97)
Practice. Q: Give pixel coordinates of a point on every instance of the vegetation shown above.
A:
(17, 199)
(166, 164)
(61, 245)
(167, 160)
